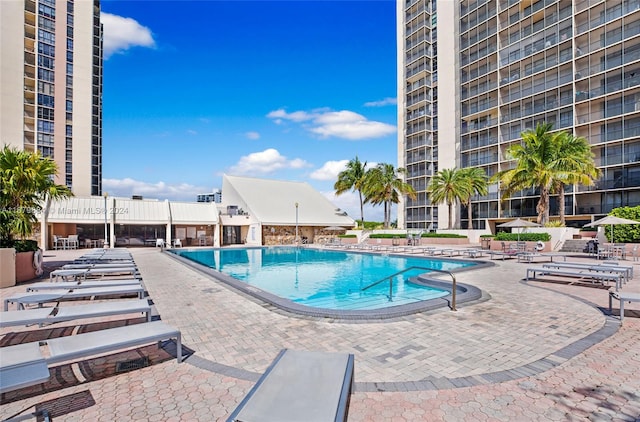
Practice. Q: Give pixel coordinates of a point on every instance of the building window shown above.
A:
(45, 100)
(46, 62)
(46, 36)
(46, 49)
(69, 69)
(47, 11)
(69, 105)
(45, 126)
(45, 75)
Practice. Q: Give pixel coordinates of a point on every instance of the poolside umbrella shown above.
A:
(519, 223)
(611, 220)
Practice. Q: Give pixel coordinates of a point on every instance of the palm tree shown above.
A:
(478, 185)
(534, 167)
(574, 164)
(353, 178)
(26, 181)
(384, 186)
(450, 186)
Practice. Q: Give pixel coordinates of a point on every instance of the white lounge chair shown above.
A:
(300, 386)
(593, 275)
(48, 296)
(623, 297)
(89, 284)
(23, 365)
(69, 313)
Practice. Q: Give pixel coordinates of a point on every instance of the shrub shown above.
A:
(437, 235)
(625, 233)
(25, 245)
(524, 237)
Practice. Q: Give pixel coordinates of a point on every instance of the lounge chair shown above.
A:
(48, 296)
(69, 313)
(89, 284)
(131, 270)
(300, 386)
(586, 273)
(23, 365)
(623, 297)
(625, 271)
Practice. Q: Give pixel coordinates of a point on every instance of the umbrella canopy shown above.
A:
(334, 228)
(611, 220)
(518, 222)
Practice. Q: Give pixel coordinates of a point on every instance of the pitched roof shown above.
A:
(274, 202)
(194, 213)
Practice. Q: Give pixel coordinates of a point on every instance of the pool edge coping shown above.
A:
(465, 294)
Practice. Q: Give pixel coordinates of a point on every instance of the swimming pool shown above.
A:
(327, 279)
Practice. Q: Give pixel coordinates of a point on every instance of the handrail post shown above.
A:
(453, 293)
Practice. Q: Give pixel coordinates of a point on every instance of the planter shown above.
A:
(24, 267)
(7, 267)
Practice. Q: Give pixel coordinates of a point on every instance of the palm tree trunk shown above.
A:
(561, 202)
(543, 206)
(387, 214)
(361, 209)
(470, 216)
(450, 215)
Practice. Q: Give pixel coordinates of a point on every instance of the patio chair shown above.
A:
(73, 241)
(177, 243)
(159, 243)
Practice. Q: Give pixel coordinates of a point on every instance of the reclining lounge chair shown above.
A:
(300, 386)
(23, 365)
(69, 313)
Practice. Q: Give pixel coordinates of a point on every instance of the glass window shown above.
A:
(46, 100)
(45, 75)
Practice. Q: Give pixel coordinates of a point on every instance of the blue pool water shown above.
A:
(325, 279)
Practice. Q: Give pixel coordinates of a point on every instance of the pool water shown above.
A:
(326, 279)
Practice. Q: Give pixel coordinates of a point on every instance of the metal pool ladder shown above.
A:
(392, 276)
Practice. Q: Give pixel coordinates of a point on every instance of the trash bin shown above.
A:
(395, 241)
(485, 242)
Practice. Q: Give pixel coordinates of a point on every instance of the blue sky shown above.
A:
(287, 90)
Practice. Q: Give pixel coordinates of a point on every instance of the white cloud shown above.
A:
(329, 170)
(192, 132)
(160, 190)
(296, 116)
(343, 124)
(120, 34)
(381, 103)
(252, 135)
(265, 162)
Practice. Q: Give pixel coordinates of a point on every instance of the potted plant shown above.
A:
(26, 183)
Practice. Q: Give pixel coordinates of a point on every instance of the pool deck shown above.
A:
(534, 351)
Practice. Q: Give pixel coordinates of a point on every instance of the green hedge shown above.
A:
(524, 237)
(401, 236)
(625, 233)
(346, 236)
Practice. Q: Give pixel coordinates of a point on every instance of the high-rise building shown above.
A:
(215, 196)
(503, 67)
(51, 85)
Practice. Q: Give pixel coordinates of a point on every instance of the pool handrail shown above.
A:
(390, 278)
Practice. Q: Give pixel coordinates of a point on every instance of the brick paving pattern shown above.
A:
(533, 351)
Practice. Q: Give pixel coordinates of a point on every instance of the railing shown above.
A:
(392, 276)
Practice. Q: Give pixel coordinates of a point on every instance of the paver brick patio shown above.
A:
(519, 355)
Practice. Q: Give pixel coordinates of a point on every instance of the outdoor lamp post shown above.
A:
(296, 241)
(106, 239)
